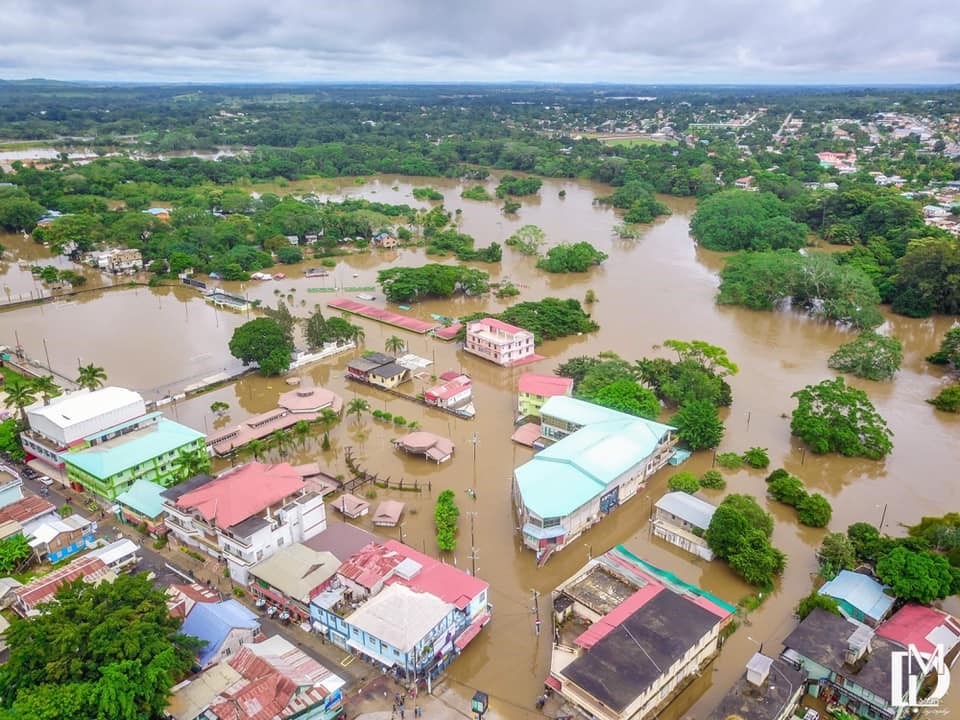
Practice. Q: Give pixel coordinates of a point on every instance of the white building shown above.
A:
(682, 520)
(498, 342)
(70, 418)
(244, 515)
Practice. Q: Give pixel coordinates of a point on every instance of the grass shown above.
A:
(629, 141)
(25, 144)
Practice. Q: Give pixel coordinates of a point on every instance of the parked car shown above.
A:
(45, 480)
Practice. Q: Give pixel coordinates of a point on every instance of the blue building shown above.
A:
(223, 626)
(860, 597)
(54, 539)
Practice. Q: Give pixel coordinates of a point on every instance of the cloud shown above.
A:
(646, 41)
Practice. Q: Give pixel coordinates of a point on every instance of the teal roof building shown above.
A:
(142, 504)
(600, 459)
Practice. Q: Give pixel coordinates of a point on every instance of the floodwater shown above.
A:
(657, 287)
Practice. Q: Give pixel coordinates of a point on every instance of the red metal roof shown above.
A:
(912, 624)
(43, 589)
(527, 434)
(444, 581)
(453, 386)
(589, 637)
(471, 632)
(25, 509)
(545, 385)
(370, 565)
(242, 492)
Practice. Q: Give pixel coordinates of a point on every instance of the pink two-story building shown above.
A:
(498, 342)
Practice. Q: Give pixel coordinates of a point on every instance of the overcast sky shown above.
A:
(643, 41)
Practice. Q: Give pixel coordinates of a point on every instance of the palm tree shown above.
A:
(46, 387)
(328, 418)
(394, 345)
(189, 464)
(358, 335)
(254, 448)
(277, 439)
(357, 407)
(301, 429)
(20, 392)
(91, 377)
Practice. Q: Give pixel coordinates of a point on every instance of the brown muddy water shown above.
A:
(657, 287)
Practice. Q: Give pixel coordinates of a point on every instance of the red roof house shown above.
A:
(923, 627)
(41, 590)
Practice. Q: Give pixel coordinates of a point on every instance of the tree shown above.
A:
(357, 407)
(698, 424)
(328, 418)
(219, 407)
(711, 358)
(949, 352)
(46, 387)
(510, 185)
(290, 255)
(10, 439)
(278, 439)
(255, 448)
(755, 515)
(264, 342)
(789, 490)
(19, 393)
(576, 368)
(865, 539)
(629, 397)
(836, 553)
(925, 280)
(832, 417)
(528, 240)
(920, 577)
(395, 345)
(91, 377)
(738, 220)
(870, 356)
(445, 514)
(947, 399)
(14, 552)
(683, 482)
(815, 600)
(814, 511)
(571, 257)
(756, 561)
(590, 298)
(713, 480)
(757, 457)
(727, 528)
(109, 650)
(189, 464)
(301, 430)
(316, 330)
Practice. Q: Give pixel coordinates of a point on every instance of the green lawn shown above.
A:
(636, 141)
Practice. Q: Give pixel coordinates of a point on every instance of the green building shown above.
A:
(147, 451)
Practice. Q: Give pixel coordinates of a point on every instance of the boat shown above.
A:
(366, 296)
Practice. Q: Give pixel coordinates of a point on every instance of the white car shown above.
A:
(45, 480)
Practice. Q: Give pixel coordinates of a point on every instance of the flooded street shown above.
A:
(657, 287)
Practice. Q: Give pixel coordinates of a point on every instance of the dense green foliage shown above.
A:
(110, 651)
(832, 417)
(739, 533)
(870, 356)
(518, 187)
(445, 516)
(917, 576)
(409, 284)
(836, 553)
(547, 319)
(528, 240)
(815, 600)
(444, 242)
(949, 351)
(739, 220)
(636, 198)
(730, 460)
(427, 193)
(812, 510)
(683, 481)
(698, 424)
(713, 480)
(927, 278)
(477, 192)
(816, 283)
(15, 551)
(947, 399)
(290, 255)
(679, 382)
(10, 439)
(627, 396)
(756, 457)
(320, 330)
(262, 341)
(571, 257)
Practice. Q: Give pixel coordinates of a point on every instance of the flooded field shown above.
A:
(657, 287)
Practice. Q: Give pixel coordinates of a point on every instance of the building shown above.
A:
(405, 611)
(649, 635)
(385, 240)
(11, 487)
(744, 183)
(682, 520)
(29, 509)
(388, 513)
(223, 627)
(599, 459)
(142, 504)
(925, 628)
(267, 680)
(846, 665)
(431, 446)
(288, 580)
(54, 539)
(498, 342)
(378, 369)
(182, 598)
(455, 392)
(860, 597)
(8, 587)
(351, 506)
(343, 540)
(120, 555)
(769, 689)
(71, 417)
(110, 462)
(533, 390)
(119, 261)
(244, 515)
(88, 568)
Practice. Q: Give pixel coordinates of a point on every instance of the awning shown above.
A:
(553, 683)
(471, 632)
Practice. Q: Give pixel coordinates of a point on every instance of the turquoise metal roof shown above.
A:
(859, 591)
(572, 471)
(580, 412)
(104, 462)
(143, 497)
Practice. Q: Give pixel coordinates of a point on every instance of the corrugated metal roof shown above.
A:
(692, 509)
(212, 622)
(144, 498)
(297, 570)
(860, 591)
(400, 617)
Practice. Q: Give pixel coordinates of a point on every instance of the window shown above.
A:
(551, 522)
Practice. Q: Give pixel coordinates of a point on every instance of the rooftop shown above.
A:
(451, 387)
(599, 590)
(765, 702)
(400, 617)
(366, 363)
(212, 623)
(436, 447)
(297, 570)
(42, 589)
(144, 498)
(437, 578)
(923, 627)
(861, 591)
(135, 448)
(388, 512)
(545, 385)
(496, 325)
(370, 565)
(25, 509)
(350, 505)
(624, 663)
(691, 509)
(83, 405)
(342, 539)
(311, 399)
(389, 370)
(579, 412)
(241, 492)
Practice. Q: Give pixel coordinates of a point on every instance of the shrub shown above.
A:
(328, 262)
(713, 480)
(683, 482)
(814, 511)
(399, 420)
(777, 474)
(815, 600)
(730, 461)
(445, 515)
(386, 416)
(947, 399)
(377, 414)
(788, 490)
(756, 457)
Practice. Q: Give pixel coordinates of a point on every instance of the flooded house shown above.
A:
(498, 342)
(682, 520)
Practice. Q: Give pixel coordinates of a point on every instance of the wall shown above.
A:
(65, 436)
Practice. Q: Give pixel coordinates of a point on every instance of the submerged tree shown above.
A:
(832, 417)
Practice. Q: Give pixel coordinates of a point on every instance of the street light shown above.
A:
(754, 641)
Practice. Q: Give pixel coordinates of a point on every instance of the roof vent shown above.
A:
(758, 668)
(408, 569)
(858, 644)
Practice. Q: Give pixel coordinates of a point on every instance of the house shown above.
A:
(268, 680)
(431, 446)
(142, 504)
(29, 509)
(71, 417)
(378, 369)
(769, 689)
(599, 459)
(8, 586)
(651, 634)
(454, 392)
(88, 568)
(860, 597)
(182, 598)
(54, 539)
(119, 261)
(535, 389)
(351, 506)
(415, 613)
(159, 213)
(682, 520)
(293, 239)
(846, 665)
(385, 240)
(343, 540)
(292, 577)
(110, 462)
(498, 342)
(744, 183)
(244, 515)
(388, 513)
(925, 628)
(11, 487)
(120, 555)
(223, 626)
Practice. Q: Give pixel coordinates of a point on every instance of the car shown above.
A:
(45, 480)
(30, 474)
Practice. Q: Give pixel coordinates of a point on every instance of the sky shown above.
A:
(635, 41)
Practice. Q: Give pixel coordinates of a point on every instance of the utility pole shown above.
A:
(473, 544)
(400, 525)
(536, 610)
